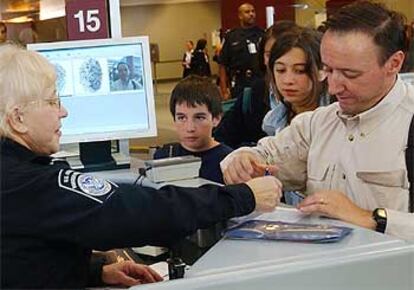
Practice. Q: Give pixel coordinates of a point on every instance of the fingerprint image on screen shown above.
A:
(60, 77)
(91, 75)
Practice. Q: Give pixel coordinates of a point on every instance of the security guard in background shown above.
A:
(52, 216)
(238, 60)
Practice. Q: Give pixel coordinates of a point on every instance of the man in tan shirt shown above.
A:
(348, 157)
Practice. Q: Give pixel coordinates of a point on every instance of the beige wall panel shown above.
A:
(305, 17)
(406, 7)
(171, 26)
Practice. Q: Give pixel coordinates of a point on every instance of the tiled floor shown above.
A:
(166, 132)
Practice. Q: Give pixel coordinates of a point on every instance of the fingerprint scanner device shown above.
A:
(174, 168)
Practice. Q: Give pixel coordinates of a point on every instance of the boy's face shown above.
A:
(194, 126)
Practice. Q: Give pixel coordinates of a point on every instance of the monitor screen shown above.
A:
(106, 86)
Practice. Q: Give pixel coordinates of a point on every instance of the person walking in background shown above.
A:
(189, 45)
(3, 32)
(200, 64)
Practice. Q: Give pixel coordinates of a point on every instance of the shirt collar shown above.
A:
(371, 118)
(8, 146)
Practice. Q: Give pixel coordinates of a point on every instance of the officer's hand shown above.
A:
(128, 273)
(241, 166)
(267, 191)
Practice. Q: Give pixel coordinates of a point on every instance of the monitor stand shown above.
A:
(99, 156)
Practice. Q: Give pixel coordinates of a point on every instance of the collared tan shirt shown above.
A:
(362, 156)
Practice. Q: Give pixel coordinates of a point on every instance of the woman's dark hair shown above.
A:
(273, 32)
(196, 90)
(386, 27)
(309, 41)
(201, 44)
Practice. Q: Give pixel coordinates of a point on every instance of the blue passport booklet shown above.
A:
(277, 230)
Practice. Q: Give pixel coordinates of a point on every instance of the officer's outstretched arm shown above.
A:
(102, 215)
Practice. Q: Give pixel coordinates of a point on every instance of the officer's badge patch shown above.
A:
(93, 186)
(90, 186)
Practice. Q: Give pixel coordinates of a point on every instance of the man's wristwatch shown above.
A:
(380, 217)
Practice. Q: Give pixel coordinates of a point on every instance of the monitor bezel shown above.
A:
(148, 83)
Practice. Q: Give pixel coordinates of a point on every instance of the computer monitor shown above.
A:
(106, 86)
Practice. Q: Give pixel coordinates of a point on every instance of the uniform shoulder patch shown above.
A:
(87, 185)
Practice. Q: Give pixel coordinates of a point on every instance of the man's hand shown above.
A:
(242, 166)
(128, 273)
(267, 191)
(335, 204)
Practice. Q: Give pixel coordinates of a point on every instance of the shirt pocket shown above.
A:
(393, 178)
(320, 177)
(390, 188)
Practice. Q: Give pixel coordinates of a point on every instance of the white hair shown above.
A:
(24, 76)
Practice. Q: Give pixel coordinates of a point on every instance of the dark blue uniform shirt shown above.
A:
(240, 56)
(52, 216)
(210, 159)
(237, 52)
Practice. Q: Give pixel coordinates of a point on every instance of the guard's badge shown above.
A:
(90, 186)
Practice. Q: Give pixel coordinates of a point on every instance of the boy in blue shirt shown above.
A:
(195, 105)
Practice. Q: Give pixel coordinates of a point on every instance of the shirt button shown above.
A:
(343, 176)
(351, 138)
(362, 134)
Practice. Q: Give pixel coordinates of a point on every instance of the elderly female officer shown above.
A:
(52, 216)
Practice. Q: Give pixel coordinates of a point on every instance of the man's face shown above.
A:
(42, 123)
(355, 77)
(194, 126)
(123, 72)
(247, 15)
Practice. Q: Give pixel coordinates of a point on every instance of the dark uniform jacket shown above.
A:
(240, 51)
(52, 216)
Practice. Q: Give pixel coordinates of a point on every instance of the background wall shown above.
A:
(306, 17)
(170, 26)
(404, 6)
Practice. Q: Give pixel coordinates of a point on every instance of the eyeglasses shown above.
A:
(53, 102)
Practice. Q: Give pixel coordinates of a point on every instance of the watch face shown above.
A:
(380, 217)
(382, 213)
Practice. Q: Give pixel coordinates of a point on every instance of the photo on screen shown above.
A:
(125, 73)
